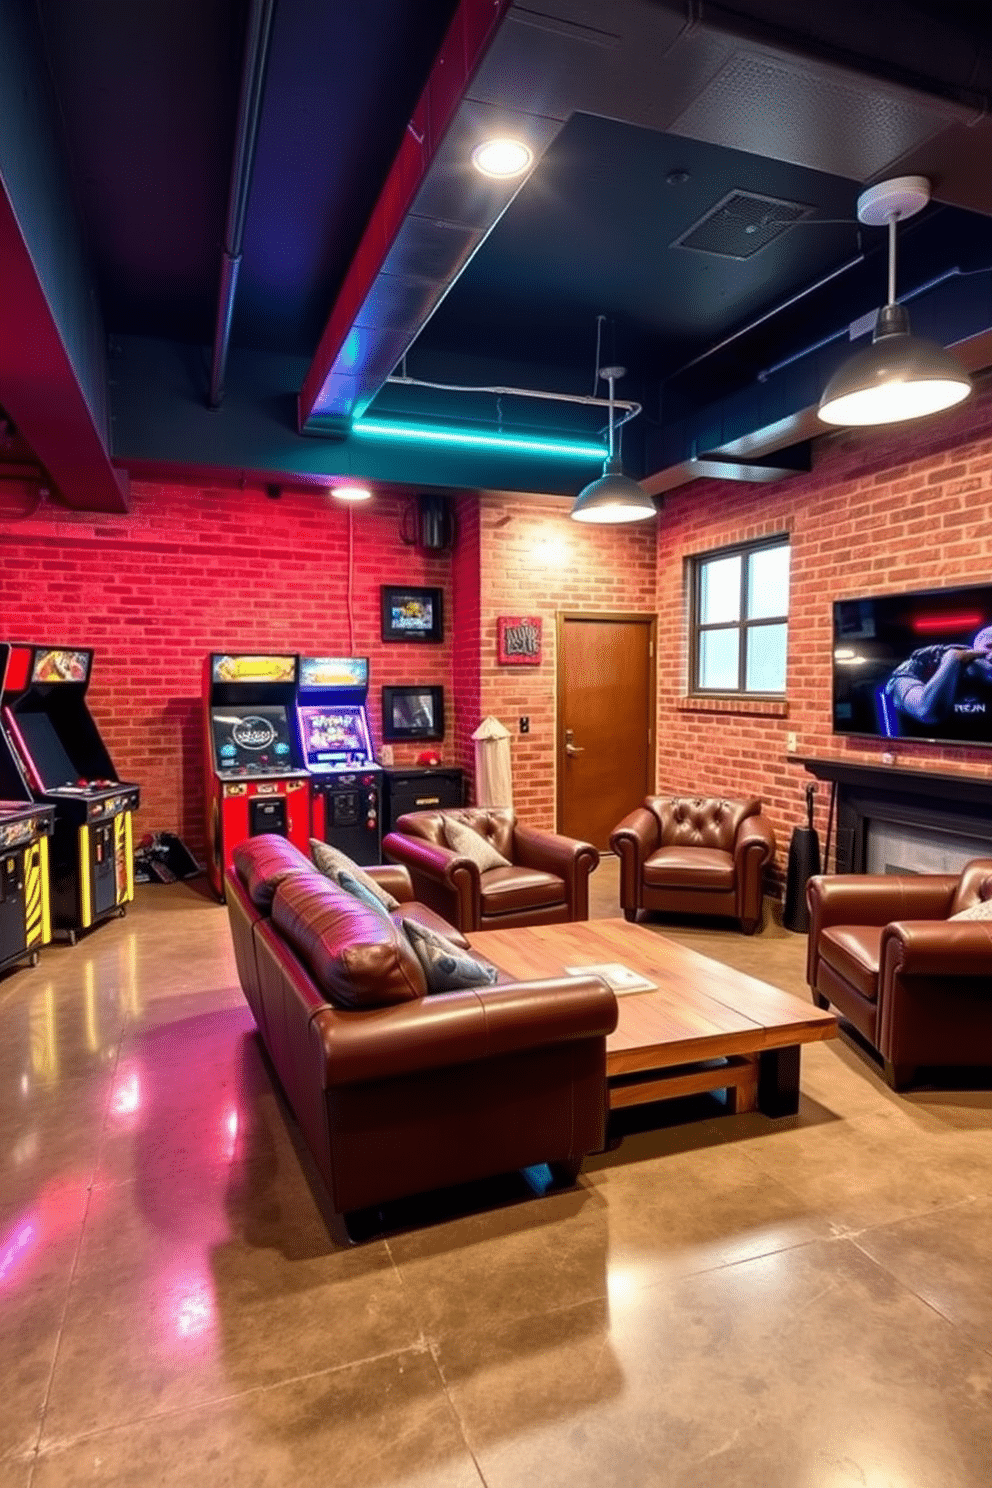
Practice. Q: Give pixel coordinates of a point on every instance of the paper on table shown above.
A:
(616, 976)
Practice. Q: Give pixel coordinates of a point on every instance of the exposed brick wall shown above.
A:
(536, 561)
(188, 571)
(192, 570)
(882, 511)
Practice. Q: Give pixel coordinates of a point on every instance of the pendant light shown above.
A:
(614, 497)
(899, 376)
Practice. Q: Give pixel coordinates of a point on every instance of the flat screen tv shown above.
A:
(915, 666)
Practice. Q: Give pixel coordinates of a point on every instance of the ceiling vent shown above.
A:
(741, 224)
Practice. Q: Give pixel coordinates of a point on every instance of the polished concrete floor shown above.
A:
(722, 1300)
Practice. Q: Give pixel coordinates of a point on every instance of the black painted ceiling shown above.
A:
(144, 98)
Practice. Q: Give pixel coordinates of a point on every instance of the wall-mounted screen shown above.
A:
(915, 666)
(412, 713)
(334, 736)
(255, 738)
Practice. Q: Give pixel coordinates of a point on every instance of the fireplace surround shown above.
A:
(954, 810)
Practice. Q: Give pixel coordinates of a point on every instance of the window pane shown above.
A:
(718, 659)
(764, 668)
(768, 582)
(720, 590)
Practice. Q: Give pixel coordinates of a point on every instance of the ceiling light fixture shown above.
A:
(899, 376)
(508, 444)
(614, 497)
(502, 159)
(351, 493)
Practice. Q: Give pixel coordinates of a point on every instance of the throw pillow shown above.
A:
(462, 838)
(351, 885)
(331, 861)
(980, 911)
(446, 966)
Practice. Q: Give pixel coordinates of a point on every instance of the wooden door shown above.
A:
(606, 713)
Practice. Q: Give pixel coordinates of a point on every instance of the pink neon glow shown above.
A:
(965, 621)
(127, 1097)
(15, 1247)
(231, 1128)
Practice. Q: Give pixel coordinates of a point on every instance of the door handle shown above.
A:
(571, 748)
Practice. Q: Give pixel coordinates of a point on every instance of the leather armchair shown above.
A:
(546, 884)
(914, 982)
(695, 855)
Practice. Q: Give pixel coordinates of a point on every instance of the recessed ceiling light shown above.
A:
(502, 158)
(351, 493)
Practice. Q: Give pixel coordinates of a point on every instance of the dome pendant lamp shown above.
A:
(899, 376)
(614, 497)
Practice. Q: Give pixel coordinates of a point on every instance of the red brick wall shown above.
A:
(536, 561)
(882, 511)
(189, 571)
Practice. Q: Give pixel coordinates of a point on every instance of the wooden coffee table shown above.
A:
(703, 1027)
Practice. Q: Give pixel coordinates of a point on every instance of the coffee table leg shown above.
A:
(778, 1081)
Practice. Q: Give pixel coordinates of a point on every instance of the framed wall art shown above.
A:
(411, 614)
(518, 640)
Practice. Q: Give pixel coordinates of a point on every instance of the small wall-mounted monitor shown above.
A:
(412, 713)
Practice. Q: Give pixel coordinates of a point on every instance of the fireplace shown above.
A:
(890, 820)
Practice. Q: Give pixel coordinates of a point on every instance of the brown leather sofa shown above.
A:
(915, 983)
(695, 855)
(546, 884)
(398, 1091)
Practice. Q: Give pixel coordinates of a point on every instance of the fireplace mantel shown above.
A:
(925, 800)
(976, 789)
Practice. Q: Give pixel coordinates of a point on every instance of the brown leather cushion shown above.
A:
(356, 956)
(263, 862)
(509, 890)
(494, 823)
(852, 951)
(698, 867)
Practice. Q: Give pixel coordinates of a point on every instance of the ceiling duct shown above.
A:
(741, 224)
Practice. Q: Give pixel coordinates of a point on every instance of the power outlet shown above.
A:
(791, 743)
(525, 725)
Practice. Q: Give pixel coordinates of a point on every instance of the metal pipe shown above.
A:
(258, 34)
(631, 409)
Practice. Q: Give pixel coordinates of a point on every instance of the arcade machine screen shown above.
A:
(334, 736)
(55, 768)
(253, 740)
(319, 672)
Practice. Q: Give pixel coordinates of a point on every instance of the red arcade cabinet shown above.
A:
(337, 750)
(65, 763)
(25, 829)
(255, 781)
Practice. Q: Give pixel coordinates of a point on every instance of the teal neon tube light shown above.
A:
(512, 444)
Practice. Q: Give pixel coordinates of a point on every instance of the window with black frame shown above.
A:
(740, 619)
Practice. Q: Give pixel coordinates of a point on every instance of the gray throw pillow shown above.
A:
(332, 862)
(980, 911)
(463, 839)
(446, 966)
(359, 891)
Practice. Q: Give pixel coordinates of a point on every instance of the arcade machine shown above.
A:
(255, 781)
(66, 765)
(25, 829)
(345, 780)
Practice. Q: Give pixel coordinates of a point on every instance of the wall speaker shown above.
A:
(435, 528)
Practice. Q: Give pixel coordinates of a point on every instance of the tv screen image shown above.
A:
(334, 735)
(915, 666)
(256, 737)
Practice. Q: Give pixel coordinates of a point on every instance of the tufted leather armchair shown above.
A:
(695, 855)
(546, 884)
(916, 984)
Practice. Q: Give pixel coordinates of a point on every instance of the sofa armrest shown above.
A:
(633, 841)
(451, 1028)
(872, 899)
(394, 878)
(755, 839)
(445, 881)
(566, 857)
(935, 948)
